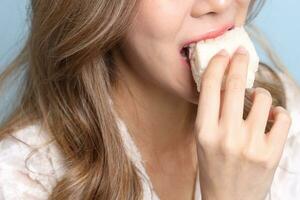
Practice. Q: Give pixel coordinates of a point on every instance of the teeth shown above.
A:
(186, 46)
(189, 45)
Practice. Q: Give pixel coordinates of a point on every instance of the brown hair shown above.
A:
(68, 75)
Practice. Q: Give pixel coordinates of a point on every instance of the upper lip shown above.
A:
(209, 35)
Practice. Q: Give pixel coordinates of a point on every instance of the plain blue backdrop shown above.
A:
(279, 20)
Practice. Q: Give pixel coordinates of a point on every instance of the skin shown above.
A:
(179, 131)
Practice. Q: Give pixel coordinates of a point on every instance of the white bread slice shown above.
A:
(201, 53)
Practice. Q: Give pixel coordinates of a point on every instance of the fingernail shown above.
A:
(223, 52)
(241, 50)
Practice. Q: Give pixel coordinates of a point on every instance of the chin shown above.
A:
(194, 98)
(187, 89)
(190, 95)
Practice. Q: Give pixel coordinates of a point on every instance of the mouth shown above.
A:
(185, 54)
(187, 47)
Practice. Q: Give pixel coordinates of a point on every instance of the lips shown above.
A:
(209, 35)
(184, 48)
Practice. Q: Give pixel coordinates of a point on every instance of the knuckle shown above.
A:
(208, 143)
(228, 147)
(235, 82)
(206, 138)
(250, 155)
(268, 163)
(265, 161)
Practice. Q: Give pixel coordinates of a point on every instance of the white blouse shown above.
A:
(35, 178)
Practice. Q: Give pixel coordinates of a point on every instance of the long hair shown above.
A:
(67, 74)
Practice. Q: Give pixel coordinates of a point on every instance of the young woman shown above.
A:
(109, 110)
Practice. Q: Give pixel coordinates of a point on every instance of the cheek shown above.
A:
(160, 19)
(244, 4)
(151, 46)
(159, 66)
(151, 43)
(153, 60)
(158, 63)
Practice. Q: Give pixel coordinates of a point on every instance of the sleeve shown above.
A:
(286, 183)
(25, 173)
(292, 89)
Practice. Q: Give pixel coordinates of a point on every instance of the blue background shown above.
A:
(279, 20)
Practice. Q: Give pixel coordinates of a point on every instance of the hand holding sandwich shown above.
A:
(237, 159)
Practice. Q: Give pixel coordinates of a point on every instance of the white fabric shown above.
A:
(45, 166)
(35, 178)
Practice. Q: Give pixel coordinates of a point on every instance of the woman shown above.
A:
(109, 111)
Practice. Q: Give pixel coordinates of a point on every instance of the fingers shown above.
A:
(259, 114)
(211, 80)
(233, 104)
(279, 131)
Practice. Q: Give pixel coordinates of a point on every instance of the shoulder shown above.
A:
(30, 164)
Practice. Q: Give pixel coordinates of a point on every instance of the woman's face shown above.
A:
(153, 44)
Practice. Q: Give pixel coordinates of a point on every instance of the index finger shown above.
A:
(233, 103)
(210, 86)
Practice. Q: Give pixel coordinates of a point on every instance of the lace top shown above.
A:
(45, 167)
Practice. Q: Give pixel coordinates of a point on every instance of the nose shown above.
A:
(202, 7)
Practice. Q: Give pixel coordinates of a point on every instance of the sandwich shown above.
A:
(200, 54)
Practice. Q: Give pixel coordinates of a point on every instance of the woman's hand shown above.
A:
(237, 160)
